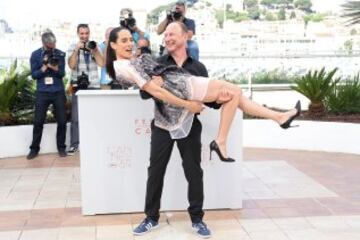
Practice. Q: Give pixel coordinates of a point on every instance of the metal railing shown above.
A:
(250, 87)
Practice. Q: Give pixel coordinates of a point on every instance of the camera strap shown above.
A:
(87, 62)
(43, 51)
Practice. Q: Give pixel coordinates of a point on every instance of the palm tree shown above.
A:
(352, 12)
(316, 86)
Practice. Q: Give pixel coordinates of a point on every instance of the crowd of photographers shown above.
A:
(84, 58)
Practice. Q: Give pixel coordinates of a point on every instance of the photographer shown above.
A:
(143, 46)
(48, 69)
(128, 21)
(84, 59)
(178, 14)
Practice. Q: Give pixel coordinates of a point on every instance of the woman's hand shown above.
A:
(195, 106)
(158, 80)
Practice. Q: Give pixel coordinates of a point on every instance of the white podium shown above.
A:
(115, 150)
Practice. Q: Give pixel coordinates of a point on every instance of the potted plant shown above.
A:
(316, 86)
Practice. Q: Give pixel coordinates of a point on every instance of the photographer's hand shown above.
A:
(44, 68)
(162, 26)
(79, 45)
(94, 51)
(52, 67)
(99, 59)
(72, 61)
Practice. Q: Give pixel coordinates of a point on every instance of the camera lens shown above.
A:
(131, 22)
(177, 15)
(54, 61)
(123, 22)
(91, 45)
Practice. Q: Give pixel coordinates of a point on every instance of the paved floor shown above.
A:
(292, 195)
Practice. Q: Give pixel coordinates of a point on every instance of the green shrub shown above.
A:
(275, 76)
(345, 98)
(316, 86)
(16, 94)
(272, 77)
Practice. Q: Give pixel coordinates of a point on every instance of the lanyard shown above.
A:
(87, 61)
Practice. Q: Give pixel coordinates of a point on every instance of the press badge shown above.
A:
(49, 80)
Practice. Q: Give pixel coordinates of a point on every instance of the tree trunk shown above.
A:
(6, 118)
(316, 109)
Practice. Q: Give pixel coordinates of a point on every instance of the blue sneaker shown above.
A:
(201, 229)
(145, 226)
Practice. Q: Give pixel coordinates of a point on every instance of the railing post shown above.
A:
(250, 84)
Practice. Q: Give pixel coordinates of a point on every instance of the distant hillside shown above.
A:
(263, 10)
(153, 16)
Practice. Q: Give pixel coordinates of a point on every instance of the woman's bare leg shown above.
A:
(245, 104)
(257, 110)
(238, 101)
(228, 110)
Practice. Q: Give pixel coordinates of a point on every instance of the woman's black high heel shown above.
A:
(286, 124)
(214, 147)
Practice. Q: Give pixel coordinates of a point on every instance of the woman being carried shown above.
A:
(183, 94)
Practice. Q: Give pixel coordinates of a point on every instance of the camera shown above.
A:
(161, 50)
(174, 15)
(90, 45)
(127, 20)
(82, 82)
(145, 50)
(50, 58)
(116, 85)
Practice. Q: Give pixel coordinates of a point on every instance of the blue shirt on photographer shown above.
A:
(36, 62)
(192, 46)
(190, 24)
(136, 36)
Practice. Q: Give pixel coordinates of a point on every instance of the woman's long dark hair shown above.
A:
(110, 53)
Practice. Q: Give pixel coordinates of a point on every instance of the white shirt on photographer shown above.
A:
(92, 71)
